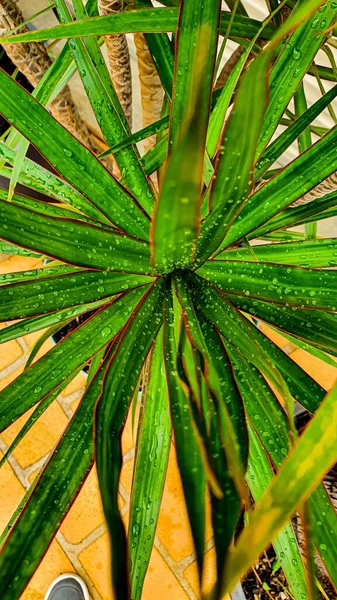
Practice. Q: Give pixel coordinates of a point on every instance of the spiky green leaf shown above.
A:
(111, 412)
(73, 241)
(72, 352)
(53, 293)
(177, 215)
(153, 447)
(280, 284)
(70, 157)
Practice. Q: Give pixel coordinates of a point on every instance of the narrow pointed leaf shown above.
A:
(326, 214)
(103, 100)
(197, 25)
(225, 510)
(53, 209)
(255, 346)
(235, 167)
(227, 442)
(24, 299)
(6, 248)
(217, 118)
(306, 253)
(57, 74)
(281, 236)
(191, 372)
(162, 53)
(271, 426)
(187, 446)
(217, 369)
(302, 386)
(46, 271)
(155, 157)
(262, 406)
(73, 241)
(291, 133)
(95, 363)
(272, 429)
(299, 214)
(259, 475)
(233, 176)
(295, 59)
(53, 494)
(177, 215)
(291, 183)
(84, 10)
(232, 325)
(121, 379)
(70, 157)
(63, 359)
(156, 127)
(41, 180)
(36, 414)
(316, 327)
(38, 344)
(300, 474)
(144, 20)
(280, 284)
(153, 447)
(324, 531)
(31, 325)
(320, 354)
(54, 75)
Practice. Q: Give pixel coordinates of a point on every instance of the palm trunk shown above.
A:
(33, 61)
(119, 59)
(325, 187)
(150, 85)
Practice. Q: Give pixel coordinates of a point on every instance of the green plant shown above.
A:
(174, 281)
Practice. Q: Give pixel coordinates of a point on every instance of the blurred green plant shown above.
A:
(172, 278)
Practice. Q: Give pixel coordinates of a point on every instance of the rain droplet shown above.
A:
(106, 331)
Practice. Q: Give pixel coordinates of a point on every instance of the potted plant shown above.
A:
(176, 287)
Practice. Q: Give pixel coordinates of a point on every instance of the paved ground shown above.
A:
(82, 543)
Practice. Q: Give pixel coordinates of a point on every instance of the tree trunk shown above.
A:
(33, 61)
(119, 59)
(325, 187)
(150, 85)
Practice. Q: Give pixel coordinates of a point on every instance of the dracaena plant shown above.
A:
(177, 288)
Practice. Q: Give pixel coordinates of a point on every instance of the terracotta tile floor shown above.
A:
(81, 545)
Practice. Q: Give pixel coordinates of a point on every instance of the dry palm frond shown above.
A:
(119, 59)
(33, 61)
(150, 85)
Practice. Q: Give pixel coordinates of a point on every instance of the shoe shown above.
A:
(67, 587)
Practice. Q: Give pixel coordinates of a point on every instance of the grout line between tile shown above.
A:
(66, 401)
(13, 367)
(175, 568)
(70, 550)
